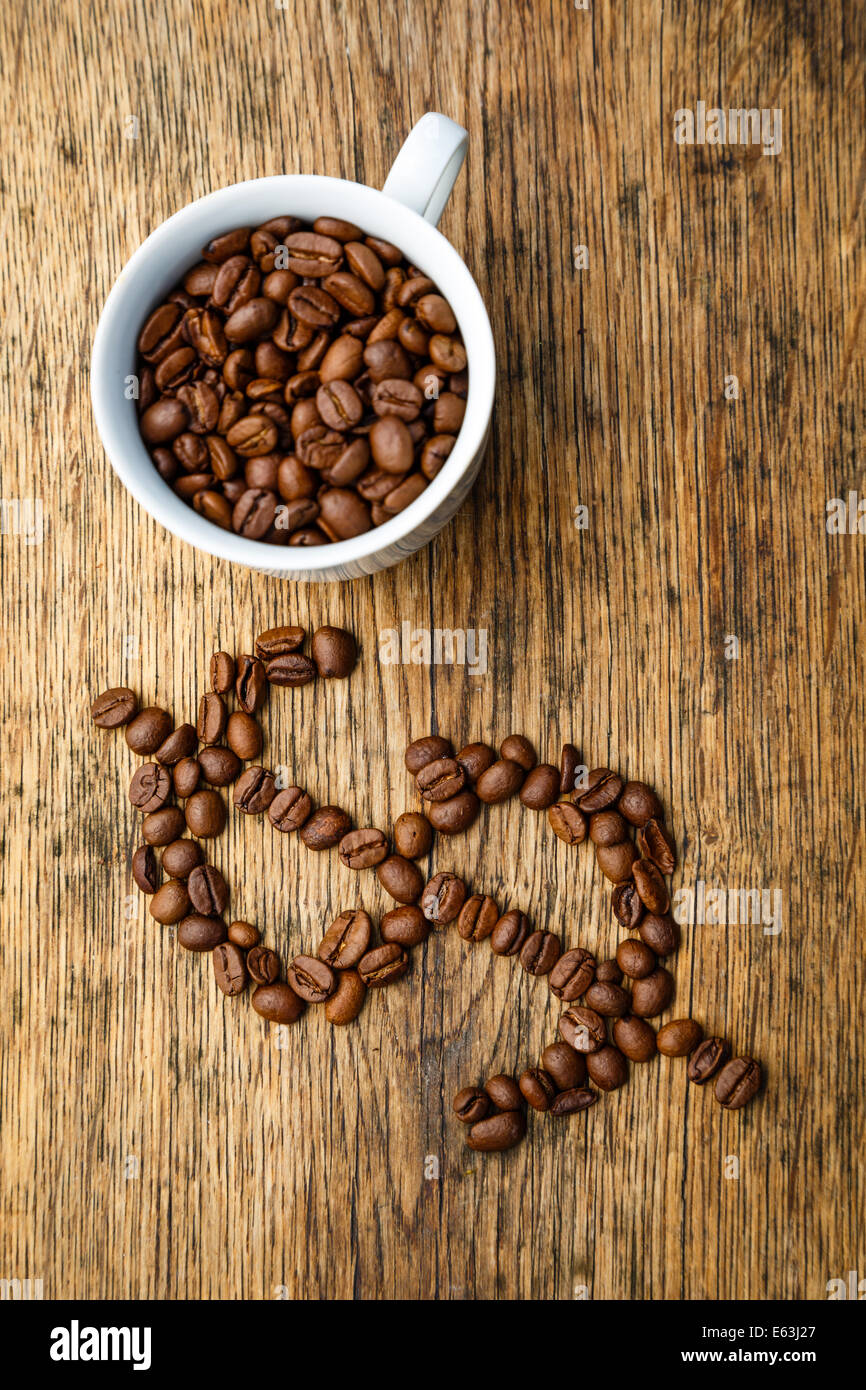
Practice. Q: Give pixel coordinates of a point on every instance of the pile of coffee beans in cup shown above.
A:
(302, 383)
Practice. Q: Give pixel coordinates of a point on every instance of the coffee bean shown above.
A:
(263, 964)
(476, 758)
(652, 995)
(567, 822)
(363, 849)
(570, 1102)
(443, 898)
(607, 1068)
(564, 1065)
(607, 828)
(651, 886)
(738, 1082)
(454, 816)
(602, 790)
(406, 925)
(229, 968)
(400, 878)
(346, 1002)
(471, 1104)
(498, 1132)
(638, 803)
(250, 685)
(334, 652)
(244, 735)
(440, 780)
(611, 1001)
(501, 780)
(540, 952)
(197, 933)
(679, 1037)
(510, 933)
(290, 809)
(222, 672)
(707, 1058)
(145, 869)
(661, 934)
(383, 965)
(627, 906)
(607, 972)
(572, 974)
(635, 959)
(656, 844)
(170, 902)
(161, 827)
(278, 641)
(413, 835)
(277, 1002)
(205, 814)
(212, 717)
(180, 857)
(294, 669)
(244, 934)
(114, 707)
(208, 890)
(478, 916)
(568, 764)
(347, 940)
(179, 745)
(504, 1092)
(150, 787)
(219, 766)
(541, 787)
(615, 861)
(326, 828)
(518, 749)
(635, 1038)
(185, 776)
(584, 1029)
(311, 979)
(426, 750)
(254, 790)
(148, 730)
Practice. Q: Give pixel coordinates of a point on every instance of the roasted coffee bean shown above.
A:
(651, 886)
(405, 925)
(635, 959)
(150, 787)
(441, 780)
(635, 1038)
(277, 1002)
(179, 745)
(219, 766)
(347, 940)
(114, 707)
(222, 672)
(293, 669)
(568, 764)
(500, 781)
(290, 809)
(334, 652)
(638, 803)
(254, 790)
(564, 1065)
(250, 686)
(661, 934)
(146, 870)
(627, 906)
(148, 730)
(347, 1001)
(567, 822)
(738, 1082)
(212, 718)
(570, 1102)
(277, 641)
(607, 972)
(244, 934)
(363, 849)
(170, 903)
(311, 979)
(656, 844)
(679, 1037)
(230, 968)
(510, 933)
(476, 758)
(572, 974)
(383, 965)
(707, 1058)
(161, 827)
(498, 1132)
(401, 878)
(652, 995)
(541, 787)
(263, 964)
(426, 750)
(454, 816)
(478, 916)
(540, 952)
(205, 814)
(471, 1104)
(517, 749)
(180, 857)
(611, 1001)
(443, 898)
(185, 777)
(244, 735)
(602, 789)
(607, 1068)
(615, 861)
(413, 835)
(504, 1092)
(607, 828)
(208, 890)
(326, 828)
(583, 1029)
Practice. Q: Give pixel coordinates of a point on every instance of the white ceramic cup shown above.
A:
(405, 213)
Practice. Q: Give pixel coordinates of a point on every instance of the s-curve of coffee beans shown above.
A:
(609, 1004)
(301, 384)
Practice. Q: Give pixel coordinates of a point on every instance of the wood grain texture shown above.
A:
(158, 1142)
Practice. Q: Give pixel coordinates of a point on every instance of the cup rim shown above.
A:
(423, 245)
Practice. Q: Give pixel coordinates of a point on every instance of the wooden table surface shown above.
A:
(159, 1141)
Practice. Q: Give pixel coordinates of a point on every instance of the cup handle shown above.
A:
(426, 168)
